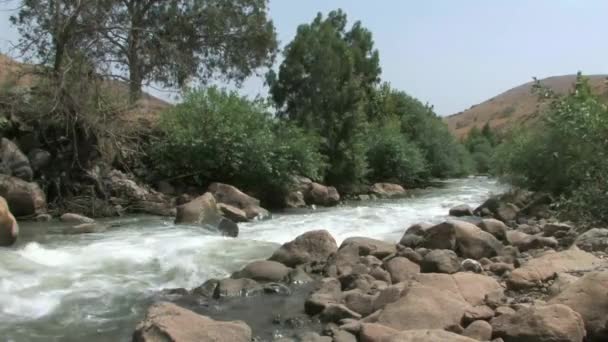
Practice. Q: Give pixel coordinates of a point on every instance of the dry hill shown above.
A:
(515, 106)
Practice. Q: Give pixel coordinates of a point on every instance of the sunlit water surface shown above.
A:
(96, 287)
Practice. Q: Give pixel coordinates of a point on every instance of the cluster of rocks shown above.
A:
(493, 280)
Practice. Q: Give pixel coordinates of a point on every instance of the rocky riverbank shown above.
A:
(508, 272)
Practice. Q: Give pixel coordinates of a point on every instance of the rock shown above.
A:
(480, 312)
(298, 276)
(461, 210)
(138, 198)
(39, 159)
(15, 161)
(9, 230)
(316, 245)
(474, 243)
(388, 295)
(86, 228)
(414, 234)
(495, 298)
(423, 307)
(544, 267)
(440, 261)
(242, 287)
(588, 296)
(380, 274)
(43, 218)
(401, 269)
(202, 210)
(387, 190)
(549, 323)
(230, 195)
(500, 268)
(561, 282)
(529, 229)
(470, 265)
(295, 199)
(507, 212)
(555, 229)
(504, 310)
(169, 322)
(343, 336)
(228, 228)
(263, 270)
(470, 287)
(328, 292)
(411, 255)
(24, 199)
(525, 242)
(371, 332)
(441, 236)
(312, 337)
(336, 312)
(75, 218)
(593, 240)
(369, 246)
(233, 213)
(319, 194)
(359, 302)
(494, 227)
(479, 331)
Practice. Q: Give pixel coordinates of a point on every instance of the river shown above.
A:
(96, 287)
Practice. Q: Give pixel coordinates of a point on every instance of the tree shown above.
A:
(169, 42)
(323, 85)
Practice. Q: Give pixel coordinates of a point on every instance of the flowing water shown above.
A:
(96, 287)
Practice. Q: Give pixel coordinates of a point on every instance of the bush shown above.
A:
(215, 135)
(392, 157)
(566, 153)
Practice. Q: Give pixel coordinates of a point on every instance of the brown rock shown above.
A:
(544, 267)
(470, 287)
(233, 213)
(474, 243)
(480, 312)
(316, 245)
(9, 230)
(441, 236)
(423, 307)
(549, 323)
(228, 194)
(401, 269)
(328, 292)
(525, 242)
(433, 335)
(236, 288)
(263, 270)
(440, 261)
(75, 218)
(500, 268)
(171, 323)
(461, 210)
(369, 246)
(479, 331)
(494, 227)
(589, 297)
(14, 161)
(319, 194)
(387, 190)
(201, 210)
(24, 199)
(359, 302)
(371, 332)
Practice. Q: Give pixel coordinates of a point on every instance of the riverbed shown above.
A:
(95, 287)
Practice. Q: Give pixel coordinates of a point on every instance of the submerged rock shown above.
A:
(169, 322)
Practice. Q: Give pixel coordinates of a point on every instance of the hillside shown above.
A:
(515, 106)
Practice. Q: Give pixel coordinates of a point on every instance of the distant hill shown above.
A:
(515, 106)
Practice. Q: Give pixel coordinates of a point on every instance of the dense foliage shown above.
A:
(215, 135)
(565, 154)
(481, 145)
(142, 41)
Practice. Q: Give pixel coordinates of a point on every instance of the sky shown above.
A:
(454, 53)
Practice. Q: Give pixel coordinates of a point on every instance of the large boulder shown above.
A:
(25, 199)
(440, 261)
(548, 323)
(525, 242)
(387, 190)
(234, 214)
(494, 227)
(474, 243)
(14, 161)
(230, 195)
(401, 269)
(469, 287)
(316, 245)
(461, 210)
(201, 210)
(424, 307)
(369, 246)
(264, 270)
(540, 269)
(589, 297)
(441, 236)
(171, 323)
(9, 230)
(593, 240)
(319, 194)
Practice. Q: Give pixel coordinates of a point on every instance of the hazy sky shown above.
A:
(452, 53)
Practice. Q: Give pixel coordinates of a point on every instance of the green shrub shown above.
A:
(566, 153)
(215, 135)
(392, 157)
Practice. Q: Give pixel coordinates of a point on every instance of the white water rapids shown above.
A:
(95, 287)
